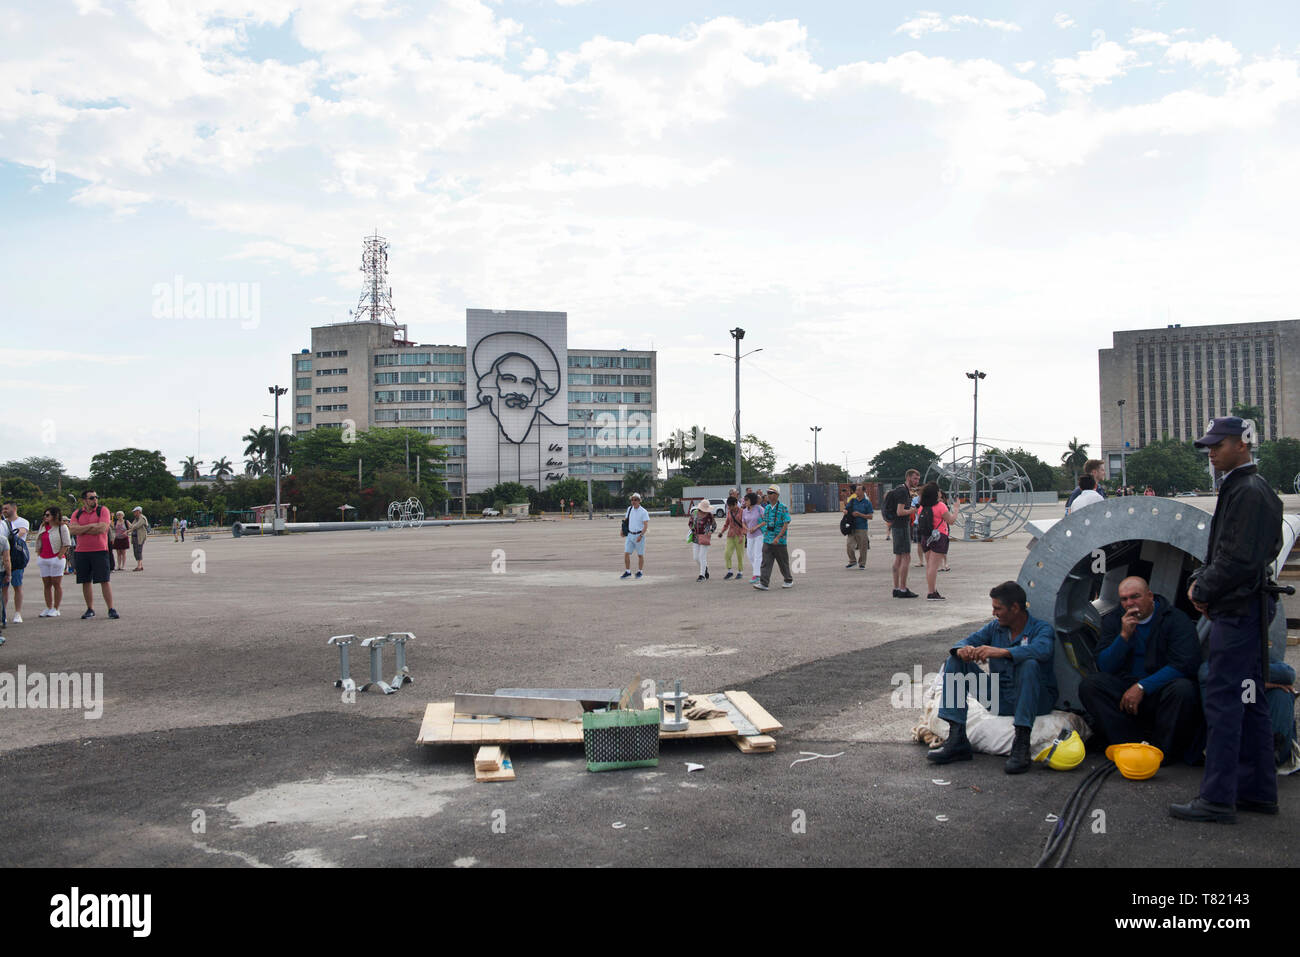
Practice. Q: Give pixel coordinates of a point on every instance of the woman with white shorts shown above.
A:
(53, 544)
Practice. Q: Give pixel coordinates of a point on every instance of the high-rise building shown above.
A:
(1172, 381)
(515, 405)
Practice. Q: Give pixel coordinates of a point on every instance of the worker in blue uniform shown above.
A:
(1245, 536)
(1018, 649)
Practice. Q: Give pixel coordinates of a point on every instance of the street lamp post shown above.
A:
(1123, 447)
(277, 391)
(974, 433)
(814, 429)
(738, 334)
(587, 449)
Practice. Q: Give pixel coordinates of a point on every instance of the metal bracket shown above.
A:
(376, 646)
(403, 674)
(345, 665)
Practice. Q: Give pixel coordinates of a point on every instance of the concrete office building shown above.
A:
(1174, 380)
(514, 405)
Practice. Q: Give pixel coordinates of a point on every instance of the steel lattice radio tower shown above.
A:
(376, 302)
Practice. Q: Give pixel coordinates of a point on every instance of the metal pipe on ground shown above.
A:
(246, 529)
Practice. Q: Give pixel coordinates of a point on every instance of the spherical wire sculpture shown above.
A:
(992, 492)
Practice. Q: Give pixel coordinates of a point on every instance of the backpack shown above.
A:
(19, 555)
(846, 523)
(925, 525)
(623, 527)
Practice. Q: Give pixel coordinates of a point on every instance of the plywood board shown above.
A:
(436, 727)
(468, 704)
(488, 758)
(468, 733)
(755, 712)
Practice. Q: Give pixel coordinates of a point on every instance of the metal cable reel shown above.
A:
(994, 492)
(1296, 483)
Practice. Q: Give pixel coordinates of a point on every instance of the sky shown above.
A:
(883, 196)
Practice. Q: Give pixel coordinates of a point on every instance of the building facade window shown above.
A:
(302, 401)
(304, 383)
(303, 365)
(332, 408)
(302, 418)
(326, 389)
(342, 371)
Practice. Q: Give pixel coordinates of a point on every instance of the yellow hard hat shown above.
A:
(1136, 761)
(1065, 753)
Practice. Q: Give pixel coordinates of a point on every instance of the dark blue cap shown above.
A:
(1226, 426)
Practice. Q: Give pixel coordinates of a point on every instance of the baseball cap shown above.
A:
(1229, 425)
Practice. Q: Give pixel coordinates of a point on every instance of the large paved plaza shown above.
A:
(218, 699)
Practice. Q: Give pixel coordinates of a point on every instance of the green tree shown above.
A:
(1279, 462)
(1168, 466)
(132, 473)
(672, 487)
(222, 468)
(758, 454)
(891, 465)
(826, 472)
(318, 493)
(1076, 457)
(43, 472)
(508, 493)
(713, 462)
(1253, 412)
(190, 469)
(19, 489)
(1041, 475)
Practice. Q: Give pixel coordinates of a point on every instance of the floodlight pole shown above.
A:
(1123, 447)
(974, 432)
(814, 429)
(277, 391)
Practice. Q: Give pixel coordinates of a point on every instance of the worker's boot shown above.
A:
(956, 748)
(1018, 763)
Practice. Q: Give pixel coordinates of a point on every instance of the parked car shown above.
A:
(489, 512)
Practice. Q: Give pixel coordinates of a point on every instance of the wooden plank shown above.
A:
(517, 707)
(547, 730)
(516, 729)
(570, 732)
(755, 743)
(488, 758)
(468, 733)
(755, 712)
(504, 773)
(436, 727)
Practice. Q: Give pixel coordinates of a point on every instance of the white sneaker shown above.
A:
(18, 619)
(45, 612)
(54, 613)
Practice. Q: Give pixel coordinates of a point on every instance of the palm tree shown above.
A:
(222, 468)
(261, 444)
(671, 448)
(1076, 457)
(190, 469)
(259, 441)
(253, 466)
(637, 480)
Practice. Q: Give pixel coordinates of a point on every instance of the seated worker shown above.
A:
(1279, 695)
(1019, 650)
(1145, 687)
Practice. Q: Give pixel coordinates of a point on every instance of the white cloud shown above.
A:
(1092, 68)
(930, 22)
(120, 201)
(1063, 20)
(1202, 54)
(536, 60)
(1138, 37)
(1025, 66)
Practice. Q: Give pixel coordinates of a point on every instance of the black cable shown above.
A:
(1076, 807)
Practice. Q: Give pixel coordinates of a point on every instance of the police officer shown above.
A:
(1245, 536)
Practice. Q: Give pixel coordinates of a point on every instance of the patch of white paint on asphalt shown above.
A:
(681, 651)
(309, 857)
(248, 859)
(345, 799)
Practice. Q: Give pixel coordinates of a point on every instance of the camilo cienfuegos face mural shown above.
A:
(517, 377)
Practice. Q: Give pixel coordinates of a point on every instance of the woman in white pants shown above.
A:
(702, 525)
(752, 517)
